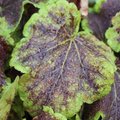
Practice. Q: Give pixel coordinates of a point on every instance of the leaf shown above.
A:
(48, 114)
(76, 117)
(98, 5)
(17, 110)
(82, 5)
(108, 107)
(76, 2)
(4, 50)
(100, 22)
(7, 99)
(10, 15)
(92, 2)
(40, 3)
(29, 9)
(98, 109)
(11, 11)
(113, 33)
(64, 67)
(115, 108)
(5, 32)
(44, 116)
(37, 3)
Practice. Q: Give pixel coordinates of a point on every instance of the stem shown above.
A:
(84, 7)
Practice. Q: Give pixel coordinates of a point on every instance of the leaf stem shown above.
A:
(84, 7)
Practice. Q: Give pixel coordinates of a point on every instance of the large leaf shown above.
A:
(64, 68)
(99, 22)
(113, 34)
(107, 108)
(7, 99)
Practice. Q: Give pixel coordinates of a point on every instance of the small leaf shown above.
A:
(113, 33)
(98, 5)
(7, 99)
(4, 50)
(44, 116)
(17, 110)
(76, 2)
(48, 114)
(100, 22)
(40, 3)
(11, 11)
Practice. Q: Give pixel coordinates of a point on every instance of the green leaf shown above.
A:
(113, 33)
(5, 32)
(7, 99)
(98, 5)
(17, 110)
(64, 68)
(41, 3)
